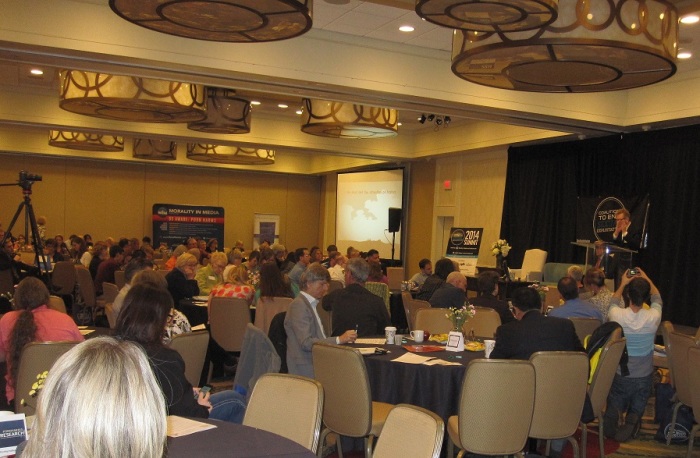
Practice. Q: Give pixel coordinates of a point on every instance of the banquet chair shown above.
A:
(120, 279)
(395, 275)
(694, 382)
(36, 358)
(379, 289)
(666, 330)
(267, 307)
(228, 319)
(484, 322)
(561, 380)
(349, 409)
(6, 281)
(533, 262)
(585, 326)
(680, 344)
(600, 387)
(411, 307)
(110, 291)
(326, 317)
(300, 399)
(63, 278)
(493, 418)
(258, 357)
(423, 439)
(56, 303)
(86, 288)
(433, 320)
(192, 346)
(111, 316)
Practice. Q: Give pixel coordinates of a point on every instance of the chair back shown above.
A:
(36, 358)
(56, 303)
(267, 307)
(605, 372)
(494, 418)
(533, 261)
(395, 275)
(258, 357)
(228, 318)
(484, 322)
(379, 289)
(411, 306)
(433, 320)
(120, 279)
(680, 344)
(85, 285)
(666, 330)
(561, 381)
(422, 439)
(63, 278)
(348, 400)
(335, 285)
(111, 315)
(694, 379)
(585, 326)
(326, 317)
(192, 346)
(109, 291)
(288, 405)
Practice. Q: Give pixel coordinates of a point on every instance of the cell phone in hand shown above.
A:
(204, 390)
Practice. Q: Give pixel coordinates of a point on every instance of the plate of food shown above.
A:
(474, 346)
(439, 338)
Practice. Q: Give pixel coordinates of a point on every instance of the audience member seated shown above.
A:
(31, 321)
(210, 275)
(487, 284)
(452, 293)
(303, 260)
(252, 265)
(426, 270)
(354, 307)
(303, 325)
(51, 256)
(177, 321)
(373, 256)
(172, 261)
(81, 255)
(142, 320)
(337, 264)
(443, 268)
(100, 399)
(330, 250)
(106, 269)
(576, 273)
(181, 282)
(212, 246)
(235, 259)
(316, 254)
(61, 246)
(280, 255)
(236, 285)
(132, 268)
(531, 331)
(10, 261)
(594, 281)
(573, 306)
(629, 395)
(203, 254)
(274, 284)
(375, 273)
(100, 253)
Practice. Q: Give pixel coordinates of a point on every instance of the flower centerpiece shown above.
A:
(36, 387)
(459, 316)
(541, 290)
(500, 248)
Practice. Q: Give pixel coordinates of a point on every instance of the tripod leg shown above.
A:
(12, 223)
(37, 243)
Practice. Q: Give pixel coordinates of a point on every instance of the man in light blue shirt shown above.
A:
(573, 307)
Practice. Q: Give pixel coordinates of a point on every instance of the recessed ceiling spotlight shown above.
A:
(399, 124)
(299, 112)
(407, 28)
(684, 54)
(36, 71)
(690, 19)
(282, 105)
(254, 102)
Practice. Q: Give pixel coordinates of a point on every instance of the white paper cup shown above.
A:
(398, 340)
(418, 336)
(390, 333)
(489, 344)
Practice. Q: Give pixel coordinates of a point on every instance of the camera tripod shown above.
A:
(26, 181)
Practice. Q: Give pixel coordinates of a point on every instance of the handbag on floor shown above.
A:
(664, 413)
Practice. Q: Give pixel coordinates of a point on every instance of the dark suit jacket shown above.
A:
(448, 296)
(355, 306)
(488, 300)
(534, 332)
(180, 287)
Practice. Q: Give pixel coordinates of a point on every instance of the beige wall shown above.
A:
(420, 214)
(114, 199)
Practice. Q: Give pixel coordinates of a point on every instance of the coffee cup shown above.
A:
(488, 347)
(398, 339)
(390, 333)
(417, 336)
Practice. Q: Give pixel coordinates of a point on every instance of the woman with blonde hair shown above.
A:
(211, 275)
(100, 399)
(181, 282)
(235, 286)
(170, 264)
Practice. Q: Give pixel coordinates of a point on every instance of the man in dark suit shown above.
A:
(487, 284)
(354, 307)
(452, 294)
(532, 331)
(625, 236)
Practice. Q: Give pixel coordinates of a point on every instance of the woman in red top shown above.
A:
(235, 286)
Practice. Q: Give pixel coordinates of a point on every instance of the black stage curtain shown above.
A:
(544, 181)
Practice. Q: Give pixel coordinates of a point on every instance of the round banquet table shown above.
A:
(434, 387)
(230, 439)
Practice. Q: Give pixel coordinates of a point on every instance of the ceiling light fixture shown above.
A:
(225, 154)
(407, 28)
(154, 150)
(488, 15)
(282, 105)
(86, 141)
(255, 102)
(592, 46)
(437, 120)
(684, 54)
(347, 120)
(127, 98)
(36, 71)
(690, 19)
(226, 113)
(237, 21)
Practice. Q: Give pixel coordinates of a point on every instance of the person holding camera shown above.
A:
(629, 394)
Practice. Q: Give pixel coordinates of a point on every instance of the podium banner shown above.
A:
(596, 217)
(463, 247)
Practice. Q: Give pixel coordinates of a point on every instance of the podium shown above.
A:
(609, 247)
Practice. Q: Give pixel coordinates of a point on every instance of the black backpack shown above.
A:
(599, 338)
